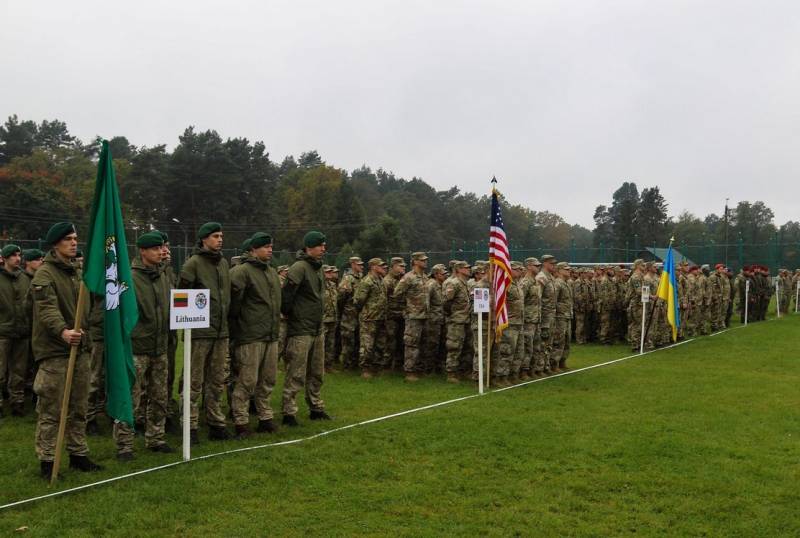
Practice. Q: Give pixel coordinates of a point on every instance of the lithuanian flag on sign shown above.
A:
(180, 300)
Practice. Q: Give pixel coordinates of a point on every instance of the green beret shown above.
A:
(209, 228)
(260, 239)
(59, 231)
(150, 239)
(10, 250)
(32, 254)
(247, 244)
(313, 239)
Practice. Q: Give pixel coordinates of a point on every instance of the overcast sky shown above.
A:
(561, 100)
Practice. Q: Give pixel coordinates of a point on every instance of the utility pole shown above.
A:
(726, 231)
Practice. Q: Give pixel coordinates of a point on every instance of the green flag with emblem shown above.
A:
(107, 273)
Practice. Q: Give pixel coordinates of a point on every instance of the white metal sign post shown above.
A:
(480, 305)
(746, 300)
(188, 309)
(645, 300)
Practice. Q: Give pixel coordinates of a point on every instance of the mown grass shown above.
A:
(700, 439)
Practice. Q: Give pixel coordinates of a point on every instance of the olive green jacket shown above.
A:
(14, 322)
(255, 302)
(55, 289)
(152, 286)
(302, 297)
(209, 270)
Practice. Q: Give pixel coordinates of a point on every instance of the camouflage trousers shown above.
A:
(606, 329)
(348, 330)
(459, 346)
(532, 340)
(635, 328)
(210, 367)
(49, 387)
(561, 341)
(305, 368)
(372, 344)
(509, 343)
(172, 348)
(412, 342)
(282, 328)
(432, 347)
(542, 358)
(149, 391)
(256, 375)
(395, 327)
(581, 327)
(14, 358)
(97, 382)
(329, 331)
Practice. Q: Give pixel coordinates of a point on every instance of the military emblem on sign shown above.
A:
(114, 286)
(200, 301)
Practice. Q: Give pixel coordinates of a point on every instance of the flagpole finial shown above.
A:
(494, 180)
(671, 239)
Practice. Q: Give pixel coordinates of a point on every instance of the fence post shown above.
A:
(740, 248)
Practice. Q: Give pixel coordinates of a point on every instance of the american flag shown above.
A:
(498, 257)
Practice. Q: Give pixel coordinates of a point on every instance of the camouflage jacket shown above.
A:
(564, 302)
(331, 312)
(715, 286)
(347, 287)
(546, 281)
(412, 288)
(370, 299)
(532, 292)
(457, 300)
(515, 302)
(633, 294)
(396, 304)
(606, 294)
(435, 300)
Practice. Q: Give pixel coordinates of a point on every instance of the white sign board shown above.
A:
(645, 294)
(480, 302)
(189, 309)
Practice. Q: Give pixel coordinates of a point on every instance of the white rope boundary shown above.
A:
(350, 426)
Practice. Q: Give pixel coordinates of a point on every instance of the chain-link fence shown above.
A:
(775, 255)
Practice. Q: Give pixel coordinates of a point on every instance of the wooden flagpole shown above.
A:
(73, 355)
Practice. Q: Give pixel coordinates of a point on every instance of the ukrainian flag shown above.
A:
(668, 291)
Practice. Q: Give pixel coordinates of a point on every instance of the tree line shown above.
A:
(48, 174)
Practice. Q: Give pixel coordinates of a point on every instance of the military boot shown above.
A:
(46, 469)
(242, 432)
(266, 426)
(218, 433)
(319, 414)
(83, 464)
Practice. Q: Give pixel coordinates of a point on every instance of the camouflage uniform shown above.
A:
(532, 293)
(329, 318)
(473, 319)
(434, 326)
(547, 283)
(582, 301)
(394, 318)
(15, 329)
(457, 302)
(512, 344)
(348, 324)
(370, 300)
(606, 306)
(633, 299)
(716, 315)
(563, 317)
(412, 288)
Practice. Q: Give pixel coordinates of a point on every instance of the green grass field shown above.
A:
(700, 439)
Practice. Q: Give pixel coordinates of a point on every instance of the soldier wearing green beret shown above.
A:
(14, 330)
(348, 325)
(55, 296)
(370, 303)
(254, 322)
(412, 288)
(33, 259)
(208, 269)
(149, 342)
(302, 302)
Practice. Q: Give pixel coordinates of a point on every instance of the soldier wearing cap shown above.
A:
(394, 314)
(653, 329)
(14, 329)
(412, 289)
(546, 280)
(434, 325)
(348, 326)
(457, 308)
(606, 305)
(531, 333)
(371, 302)
(479, 280)
(331, 315)
(633, 299)
(683, 295)
(55, 296)
(563, 319)
(512, 346)
(302, 301)
(583, 304)
(718, 292)
(255, 327)
(208, 269)
(149, 340)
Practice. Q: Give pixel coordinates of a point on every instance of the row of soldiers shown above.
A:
(389, 317)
